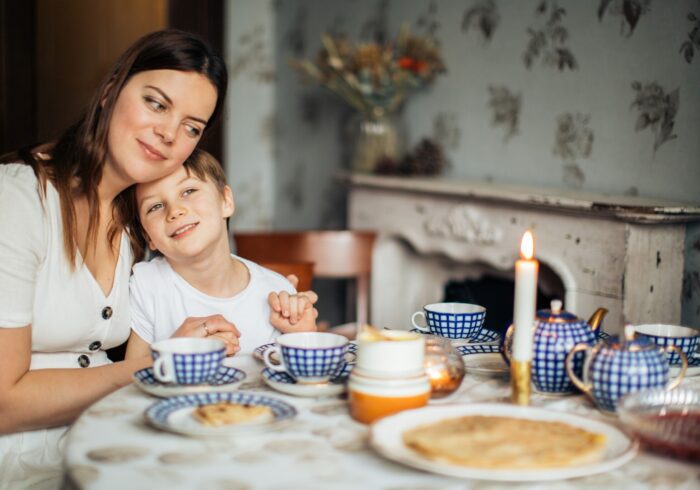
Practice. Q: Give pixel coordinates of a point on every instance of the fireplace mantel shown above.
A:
(624, 253)
(631, 209)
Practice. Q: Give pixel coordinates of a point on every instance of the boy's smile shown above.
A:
(184, 217)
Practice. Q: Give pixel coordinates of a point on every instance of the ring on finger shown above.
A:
(206, 329)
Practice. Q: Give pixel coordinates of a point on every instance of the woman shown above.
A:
(66, 254)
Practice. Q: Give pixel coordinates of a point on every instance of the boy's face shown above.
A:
(184, 217)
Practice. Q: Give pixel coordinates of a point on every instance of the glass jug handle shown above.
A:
(684, 366)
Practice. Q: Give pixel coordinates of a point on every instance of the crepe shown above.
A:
(226, 413)
(505, 443)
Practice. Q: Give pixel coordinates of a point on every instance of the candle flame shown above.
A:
(527, 246)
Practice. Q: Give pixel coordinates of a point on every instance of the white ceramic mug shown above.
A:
(396, 354)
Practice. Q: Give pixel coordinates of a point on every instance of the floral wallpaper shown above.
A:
(598, 95)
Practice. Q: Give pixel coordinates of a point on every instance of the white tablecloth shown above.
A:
(111, 447)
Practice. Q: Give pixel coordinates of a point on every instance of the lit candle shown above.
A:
(525, 297)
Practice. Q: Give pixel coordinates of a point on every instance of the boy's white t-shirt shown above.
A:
(161, 300)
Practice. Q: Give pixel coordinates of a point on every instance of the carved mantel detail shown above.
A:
(463, 223)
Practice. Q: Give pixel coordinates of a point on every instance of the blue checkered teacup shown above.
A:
(685, 338)
(187, 361)
(451, 320)
(308, 357)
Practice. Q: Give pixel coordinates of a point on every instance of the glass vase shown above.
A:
(377, 138)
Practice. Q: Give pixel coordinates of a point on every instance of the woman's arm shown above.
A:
(50, 397)
(137, 348)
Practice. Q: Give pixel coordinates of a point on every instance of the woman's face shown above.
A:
(158, 119)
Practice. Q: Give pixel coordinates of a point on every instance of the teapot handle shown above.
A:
(507, 340)
(684, 366)
(585, 387)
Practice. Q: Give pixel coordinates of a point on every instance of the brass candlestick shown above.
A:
(520, 381)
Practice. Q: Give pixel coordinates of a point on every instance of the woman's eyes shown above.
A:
(155, 104)
(194, 132)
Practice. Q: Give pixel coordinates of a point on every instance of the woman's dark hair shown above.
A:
(77, 159)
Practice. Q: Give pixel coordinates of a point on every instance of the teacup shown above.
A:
(308, 357)
(187, 361)
(685, 338)
(451, 320)
(390, 354)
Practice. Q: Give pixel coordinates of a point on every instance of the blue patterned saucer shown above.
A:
(227, 378)
(483, 359)
(283, 382)
(259, 351)
(485, 336)
(175, 414)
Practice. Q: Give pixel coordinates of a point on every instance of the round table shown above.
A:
(111, 446)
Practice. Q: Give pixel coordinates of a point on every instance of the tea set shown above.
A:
(386, 371)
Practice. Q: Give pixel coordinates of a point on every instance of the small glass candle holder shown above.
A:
(443, 365)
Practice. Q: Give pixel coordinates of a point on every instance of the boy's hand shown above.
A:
(292, 313)
(310, 295)
(214, 325)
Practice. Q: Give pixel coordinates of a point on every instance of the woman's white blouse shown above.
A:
(72, 320)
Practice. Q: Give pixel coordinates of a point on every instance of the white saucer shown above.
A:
(284, 383)
(483, 359)
(226, 379)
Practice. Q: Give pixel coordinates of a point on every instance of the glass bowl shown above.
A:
(443, 365)
(666, 422)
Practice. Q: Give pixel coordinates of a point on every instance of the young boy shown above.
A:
(197, 282)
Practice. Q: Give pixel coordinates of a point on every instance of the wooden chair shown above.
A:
(335, 254)
(304, 270)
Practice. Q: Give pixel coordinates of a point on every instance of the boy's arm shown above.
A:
(137, 347)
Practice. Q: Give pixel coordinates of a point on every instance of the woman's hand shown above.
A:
(211, 326)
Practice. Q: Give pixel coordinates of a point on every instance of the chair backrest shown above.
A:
(336, 254)
(304, 270)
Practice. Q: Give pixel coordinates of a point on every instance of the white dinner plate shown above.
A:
(483, 359)
(259, 351)
(175, 414)
(227, 379)
(387, 439)
(284, 383)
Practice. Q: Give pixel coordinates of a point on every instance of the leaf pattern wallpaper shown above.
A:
(597, 95)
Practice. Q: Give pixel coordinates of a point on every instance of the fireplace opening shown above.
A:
(495, 292)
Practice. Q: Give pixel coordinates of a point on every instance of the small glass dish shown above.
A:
(666, 422)
(443, 365)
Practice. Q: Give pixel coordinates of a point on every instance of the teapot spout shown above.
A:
(597, 318)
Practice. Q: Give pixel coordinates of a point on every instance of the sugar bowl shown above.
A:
(615, 368)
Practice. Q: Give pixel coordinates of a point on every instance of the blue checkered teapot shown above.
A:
(556, 332)
(614, 368)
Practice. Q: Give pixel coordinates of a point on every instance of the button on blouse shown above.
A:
(83, 361)
(107, 312)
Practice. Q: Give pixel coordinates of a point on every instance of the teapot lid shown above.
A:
(555, 314)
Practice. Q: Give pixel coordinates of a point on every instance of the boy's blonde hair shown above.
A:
(200, 164)
(204, 166)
